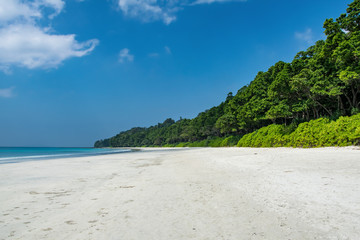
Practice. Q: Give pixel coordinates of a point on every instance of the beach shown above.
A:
(185, 193)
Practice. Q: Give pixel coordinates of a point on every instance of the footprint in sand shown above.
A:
(65, 204)
(70, 222)
(102, 213)
(126, 186)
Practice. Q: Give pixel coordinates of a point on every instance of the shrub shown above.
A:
(270, 136)
(230, 141)
(322, 132)
(183, 144)
(216, 142)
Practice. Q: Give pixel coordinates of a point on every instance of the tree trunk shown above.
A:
(327, 110)
(307, 115)
(342, 109)
(349, 100)
(355, 91)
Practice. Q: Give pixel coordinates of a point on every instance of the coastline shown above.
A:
(190, 193)
(23, 154)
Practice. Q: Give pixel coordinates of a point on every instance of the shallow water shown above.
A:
(22, 154)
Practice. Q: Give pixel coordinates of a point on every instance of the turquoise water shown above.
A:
(22, 154)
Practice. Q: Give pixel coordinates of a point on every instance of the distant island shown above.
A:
(313, 101)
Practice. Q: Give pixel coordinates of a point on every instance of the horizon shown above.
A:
(74, 72)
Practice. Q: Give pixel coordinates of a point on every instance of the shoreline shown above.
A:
(192, 193)
(38, 154)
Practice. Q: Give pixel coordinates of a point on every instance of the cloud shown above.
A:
(146, 10)
(24, 43)
(11, 10)
(5, 69)
(31, 47)
(56, 5)
(167, 50)
(159, 10)
(7, 92)
(125, 55)
(306, 36)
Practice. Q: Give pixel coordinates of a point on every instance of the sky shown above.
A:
(75, 71)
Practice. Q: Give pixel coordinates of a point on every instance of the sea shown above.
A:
(23, 154)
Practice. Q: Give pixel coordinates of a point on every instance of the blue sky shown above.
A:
(74, 71)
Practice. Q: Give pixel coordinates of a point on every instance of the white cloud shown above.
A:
(11, 10)
(306, 36)
(167, 50)
(5, 69)
(31, 47)
(7, 92)
(163, 10)
(56, 5)
(146, 10)
(24, 43)
(125, 55)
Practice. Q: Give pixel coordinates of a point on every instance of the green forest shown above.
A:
(312, 101)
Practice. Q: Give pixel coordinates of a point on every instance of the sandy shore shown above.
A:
(227, 193)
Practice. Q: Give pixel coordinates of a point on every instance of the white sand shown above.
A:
(227, 193)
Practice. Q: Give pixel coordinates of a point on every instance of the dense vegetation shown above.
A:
(320, 83)
(321, 132)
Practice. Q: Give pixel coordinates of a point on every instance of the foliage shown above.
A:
(270, 136)
(321, 132)
(230, 141)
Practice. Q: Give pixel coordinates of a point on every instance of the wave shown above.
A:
(16, 159)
